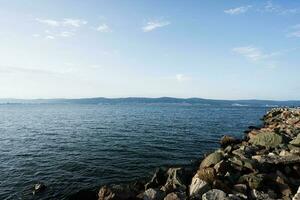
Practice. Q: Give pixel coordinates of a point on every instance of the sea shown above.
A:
(70, 147)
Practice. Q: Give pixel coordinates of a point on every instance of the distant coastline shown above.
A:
(167, 100)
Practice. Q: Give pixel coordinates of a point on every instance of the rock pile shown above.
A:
(264, 165)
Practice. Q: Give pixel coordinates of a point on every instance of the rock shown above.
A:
(266, 139)
(222, 167)
(296, 141)
(214, 194)
(274, 159)
(116, 192)
(297, 195)
(260, 195)
(153, 194)
(175, 180)
(211, 159)
(228, 140)
(198, 187)
(207, 174)
(159, 178)
(218, 184)
(254, 180)
(175, 196)
(241, 188)
(38, 187)
(243, 163)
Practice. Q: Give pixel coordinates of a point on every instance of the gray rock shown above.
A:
(275, 159)
(211, 159)
(266, 139)
(153, 194)
(38, 187)
(214, 194)
(297, 195)
(120, 192)
(198, 187)
(260, 195)
(159, 178)
(296, 141)
(175, 180)
(175, 196)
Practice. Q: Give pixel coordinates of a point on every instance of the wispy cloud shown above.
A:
(238, 10)
(50, 37)
(64, 22)
(104, 28)
(253, 53)
(294, 31)
(152, 25)
(270, 7)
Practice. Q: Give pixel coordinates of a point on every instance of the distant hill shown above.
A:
(167, 100)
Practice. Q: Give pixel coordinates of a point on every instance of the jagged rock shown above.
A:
(241, 163)
(207, 174)
(241, 188)
(218, 184)
(159, 178)
(198, 187)
(214, 194)
(211, 159)
(116, 192)
(153, 194)
(254, 180)
(222, 167)
(266, 139)
(228, 140)
(297, 195)
(175, 196)
(296, 141)
(175, 180)
(38, 187)
(274, 159)
(260, 195)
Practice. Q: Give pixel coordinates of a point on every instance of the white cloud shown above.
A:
(65, 22)
(250, 52)
(104, 28)
(181, 77)
(238, 10)
(152, 25)
(275, 8)
(49, 22)
(73, 22)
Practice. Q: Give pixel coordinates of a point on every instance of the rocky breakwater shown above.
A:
(264, 165)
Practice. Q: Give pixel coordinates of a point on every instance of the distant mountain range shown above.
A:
(168, 100)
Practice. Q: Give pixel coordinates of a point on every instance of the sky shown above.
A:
(218, 49)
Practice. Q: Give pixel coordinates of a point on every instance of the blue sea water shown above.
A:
(71, 147)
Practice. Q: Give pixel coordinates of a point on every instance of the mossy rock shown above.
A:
(211, 160)
(267, 139)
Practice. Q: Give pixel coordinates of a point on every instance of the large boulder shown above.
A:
(254, 180)
(198, 187)
(267, 139)
(211, 159)
(214, 194)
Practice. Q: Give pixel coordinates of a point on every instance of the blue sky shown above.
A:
(211, 49)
